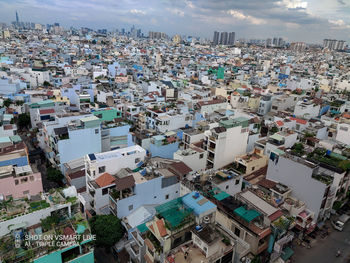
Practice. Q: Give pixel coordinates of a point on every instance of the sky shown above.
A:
(294, 20)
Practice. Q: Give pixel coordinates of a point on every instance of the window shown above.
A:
(205, 249)
(226, 187)
(26, 192)
(104, 191)
(131, 207)
(24, 180)
(166, 196)
(201, 156)
(137, 160)
(237, 231)
(155, 197)
(253, 168)
(31, 178)
(237, 182)
(101, 169)
(16, 182)
(96, 131)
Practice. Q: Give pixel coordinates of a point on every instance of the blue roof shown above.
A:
(198, 204)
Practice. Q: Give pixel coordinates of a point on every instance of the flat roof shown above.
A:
(198, 203)
(259, 203)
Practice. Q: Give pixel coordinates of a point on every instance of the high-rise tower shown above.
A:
(17, 18)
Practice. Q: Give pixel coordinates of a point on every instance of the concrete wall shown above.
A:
(298, 177)
(148, 193)
(80, 143)
(9, 187)
(31, 219)
(164, 151)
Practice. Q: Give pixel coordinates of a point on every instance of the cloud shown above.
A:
(176, 11)
(293, 4)
(240, 16)
(137, 12)
(341, 2)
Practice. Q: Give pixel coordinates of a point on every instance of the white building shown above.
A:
(343, 133)
(105, 165)
(306, 109)
(227, 141)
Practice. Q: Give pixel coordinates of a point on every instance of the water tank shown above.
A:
(206, 220)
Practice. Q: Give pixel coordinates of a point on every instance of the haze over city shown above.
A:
(295, 20)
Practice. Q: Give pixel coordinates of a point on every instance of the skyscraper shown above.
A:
(231, 38)
(216, 38)
(223, 38)
(17, 18)
(275, 41)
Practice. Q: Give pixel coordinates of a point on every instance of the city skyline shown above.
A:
(294, 20)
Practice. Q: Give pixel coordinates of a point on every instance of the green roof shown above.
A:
(240, 121)
(287, 253)
(142, 228)
(276, 137)
(15, 138)
(174, 212)
(247, 215)
(222, 195)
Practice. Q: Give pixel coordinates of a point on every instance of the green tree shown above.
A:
(48, 222)
(54, 175)
(23, 120)
(273, 130)
(108, 230)
(46, 83)
(7, 103)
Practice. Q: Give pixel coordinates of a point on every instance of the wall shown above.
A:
(31, 218)
(8, 186)
(148, 193)
(164, 151)
(80, 143)
(298, 177)
(193, 160)
(343, 133)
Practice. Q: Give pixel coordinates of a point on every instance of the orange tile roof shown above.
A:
(161, 228)
(300, 121)
(104, 180)
(279, 123)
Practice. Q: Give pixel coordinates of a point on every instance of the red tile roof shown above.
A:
(105, 179)
(161, 228)
(280, 123)
(47, 111)
(300, 121)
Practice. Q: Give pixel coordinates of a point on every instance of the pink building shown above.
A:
(18, 182)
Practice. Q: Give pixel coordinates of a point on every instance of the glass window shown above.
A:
(101, 169)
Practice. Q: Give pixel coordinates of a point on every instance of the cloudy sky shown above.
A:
(295, 20)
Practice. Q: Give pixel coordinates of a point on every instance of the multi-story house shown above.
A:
(225, 142)
(167, 121)
(318, 181)
(306, 109)
(19, 182)
(100, 168)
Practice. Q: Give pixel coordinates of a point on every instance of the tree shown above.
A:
(273, 130)
(48, 222)
(7, 103)
(108, 230)
(54, 175)
(23, 120)
(46, 83)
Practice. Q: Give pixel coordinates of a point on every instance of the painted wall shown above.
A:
(9, 187)
(80, 143)
(148, 193)
(164, 151)
(298, 177)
